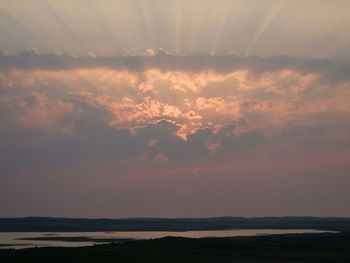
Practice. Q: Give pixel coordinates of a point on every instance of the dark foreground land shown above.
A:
(326, 247)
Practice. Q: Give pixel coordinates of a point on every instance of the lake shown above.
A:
(17, 239)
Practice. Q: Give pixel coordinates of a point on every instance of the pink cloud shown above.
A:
(191, 100)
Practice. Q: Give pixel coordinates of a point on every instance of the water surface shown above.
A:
(13, 239)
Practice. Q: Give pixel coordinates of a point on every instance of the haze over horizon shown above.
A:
(120, 109)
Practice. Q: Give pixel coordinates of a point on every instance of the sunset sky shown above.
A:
(160, 108)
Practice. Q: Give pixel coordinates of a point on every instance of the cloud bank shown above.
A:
(161, 60)
(187, 96)
(162, 115)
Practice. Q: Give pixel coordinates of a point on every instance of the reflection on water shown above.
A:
(12, 239)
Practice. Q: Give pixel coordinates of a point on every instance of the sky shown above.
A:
(159, 108)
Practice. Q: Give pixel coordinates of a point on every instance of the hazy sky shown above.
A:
(174, 108)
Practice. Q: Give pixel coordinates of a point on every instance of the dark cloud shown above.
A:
(60, 122)
(24, 149)
(30, 60)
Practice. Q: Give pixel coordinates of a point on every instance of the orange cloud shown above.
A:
(190, 100)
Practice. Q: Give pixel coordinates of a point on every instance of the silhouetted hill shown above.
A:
(53, 224)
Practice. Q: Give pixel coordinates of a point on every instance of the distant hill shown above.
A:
(53, 224)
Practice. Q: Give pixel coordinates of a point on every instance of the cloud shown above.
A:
(165, 109)
(29, 59)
